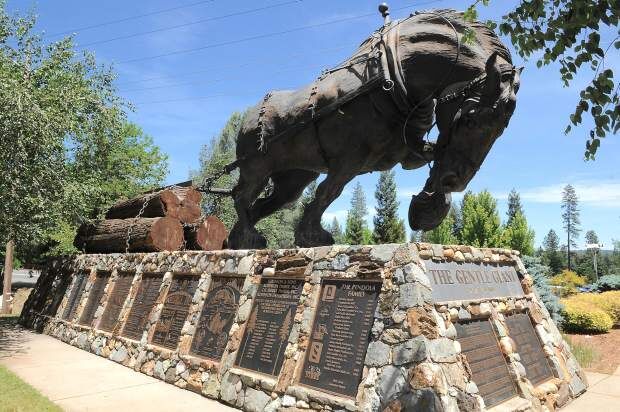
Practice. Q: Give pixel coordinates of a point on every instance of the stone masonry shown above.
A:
(413, 360)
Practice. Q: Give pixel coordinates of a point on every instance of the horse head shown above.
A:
(468, 127)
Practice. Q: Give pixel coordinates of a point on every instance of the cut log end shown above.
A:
(166, 234)
(210, 234)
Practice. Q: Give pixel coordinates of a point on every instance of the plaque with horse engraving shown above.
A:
(469, 281)
(267, 330)
(174, 313)
(529, 348)
(147, 294)
(74, 297)
(488, 366)
(217, 316)
(344, 316)
(94, 297)
(115, 303)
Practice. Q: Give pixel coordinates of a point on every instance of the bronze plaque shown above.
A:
(147, 294)
(344, 316)
(529, 347)
(487, 363)
(217, 317)
(94, 297)
(267, 330)
(470, 281)
(175, 310)
(74, 297)
(115, 303)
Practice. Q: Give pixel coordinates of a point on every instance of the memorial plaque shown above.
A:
(469, 281)
(74, 297)
(344, 316)
(529, 347)
(267, 330)
(94, 297)
(147, 294)
(487, 363)
(116, 301)
(217, 316)
(175, 310)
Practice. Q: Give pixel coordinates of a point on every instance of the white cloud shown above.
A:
(592, 193)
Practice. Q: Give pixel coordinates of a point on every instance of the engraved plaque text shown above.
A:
(116, 301)
(147, 294)
(94, 297)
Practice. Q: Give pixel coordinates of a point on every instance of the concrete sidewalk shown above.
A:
(603, 395)
(80, 381)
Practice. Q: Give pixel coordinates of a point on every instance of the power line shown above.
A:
(250, 62)
(124, 19)
(262, 36)
(220, 79)
(178, 26)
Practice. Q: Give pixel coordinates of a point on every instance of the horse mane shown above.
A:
(422, 24)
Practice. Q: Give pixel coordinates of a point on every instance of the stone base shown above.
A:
(413, 359)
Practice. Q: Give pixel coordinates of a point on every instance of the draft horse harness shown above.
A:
(384, 71)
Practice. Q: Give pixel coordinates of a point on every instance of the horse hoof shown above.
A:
(313, 238)
(246, 239)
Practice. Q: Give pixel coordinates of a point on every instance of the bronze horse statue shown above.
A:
(370, 113)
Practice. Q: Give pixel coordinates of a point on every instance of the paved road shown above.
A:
(22, 278)
(80, 381)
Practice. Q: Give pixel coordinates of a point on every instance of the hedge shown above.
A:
(608, 302)
(584, 317)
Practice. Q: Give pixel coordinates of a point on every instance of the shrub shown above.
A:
(569, 281)
(608, 302)
(608, 282)
(540, 275)
(585, 317)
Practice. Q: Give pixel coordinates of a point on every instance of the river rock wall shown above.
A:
(411, 357)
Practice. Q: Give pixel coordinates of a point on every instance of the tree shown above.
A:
(540, 274)
(388, 228)
(517, 234)
(591, 237)
(444, 233)
(514, 206)
(66, 149)
(356, 228)
(551, 254)
(336, 231)
(570, 218)
(480, 220)
(569, 33)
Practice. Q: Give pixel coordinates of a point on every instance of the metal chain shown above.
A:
(142, 209)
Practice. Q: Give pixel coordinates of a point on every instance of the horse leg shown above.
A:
(309, 232)
(287, 187)
(243, 235)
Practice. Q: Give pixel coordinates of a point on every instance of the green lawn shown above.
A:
(17, 395)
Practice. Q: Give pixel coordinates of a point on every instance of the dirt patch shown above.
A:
(597, 353)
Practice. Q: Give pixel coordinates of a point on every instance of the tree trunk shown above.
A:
(146, 235)
(160, 204)
(180, 202)
(210, 234)
(8, 278)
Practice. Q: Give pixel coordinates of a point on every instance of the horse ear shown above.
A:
(492, 87)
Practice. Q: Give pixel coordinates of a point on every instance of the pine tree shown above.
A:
(591, 237)
(551, 254)
(570, 217)
(480, 220)
(356, 218)
(444, 233)
(336, 231)
(514, 206)
(388, 227)
(517, 234)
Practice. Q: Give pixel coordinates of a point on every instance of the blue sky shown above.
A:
(184, 98)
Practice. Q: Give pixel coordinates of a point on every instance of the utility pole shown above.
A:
(8, 278)
(594, 247)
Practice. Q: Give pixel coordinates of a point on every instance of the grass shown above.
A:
(16, 395)
(586, 355)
